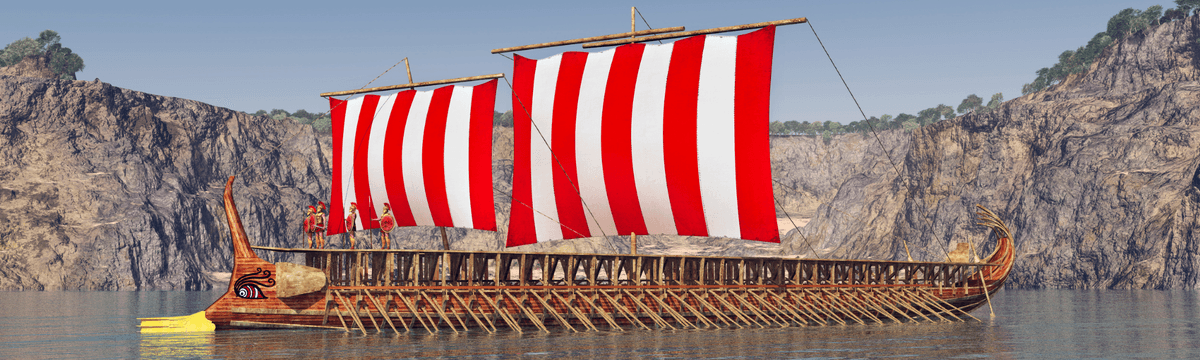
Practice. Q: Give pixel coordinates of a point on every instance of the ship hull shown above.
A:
(431, 291)
(490, 309)
(436, 291)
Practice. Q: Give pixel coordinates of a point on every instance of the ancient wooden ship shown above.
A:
(439, 174)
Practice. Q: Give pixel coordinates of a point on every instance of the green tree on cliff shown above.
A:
(793, 127)
(62, 61)
(17, 50)
(996, 100)
(1076, 61)
(504, 119)
(971, 103)
(1186, 6)
(947, 111)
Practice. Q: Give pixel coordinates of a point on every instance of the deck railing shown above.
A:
(436, 268)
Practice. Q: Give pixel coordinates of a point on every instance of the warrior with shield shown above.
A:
(351, 224)
(386, 224)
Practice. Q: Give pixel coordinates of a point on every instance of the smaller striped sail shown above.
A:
(427, 153)
(645, 139)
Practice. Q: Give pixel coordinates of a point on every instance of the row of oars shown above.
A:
(645, 309)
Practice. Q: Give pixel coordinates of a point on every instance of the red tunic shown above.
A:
(387, 222)
(350, 221)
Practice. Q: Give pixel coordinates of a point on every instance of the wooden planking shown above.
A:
(437, 287)
(667, 308)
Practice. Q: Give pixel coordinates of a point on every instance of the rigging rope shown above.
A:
(639, 12)
(876, 133)
(825, 155)
(797, 227)
(346, 186)
(368, 84)
(326, 112)
(510, 197)
(556, 161)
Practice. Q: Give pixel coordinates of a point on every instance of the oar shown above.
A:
(175, 324)
(983, 284)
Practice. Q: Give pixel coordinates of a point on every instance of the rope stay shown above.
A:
(561, 168)
(887, 152)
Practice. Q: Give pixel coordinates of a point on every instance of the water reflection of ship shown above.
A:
(943, 340)
(639, 139)
(194, 345)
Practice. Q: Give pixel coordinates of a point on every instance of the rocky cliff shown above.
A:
(112, 189)
(103, 188)
(1098, 177)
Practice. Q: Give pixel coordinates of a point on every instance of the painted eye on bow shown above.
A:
(250, 291)
(248, 286)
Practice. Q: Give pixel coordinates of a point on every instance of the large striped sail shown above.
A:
(645, 139)
(427, 153)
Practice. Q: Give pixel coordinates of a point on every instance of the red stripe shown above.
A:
(337, 120)
(393, 155)
(362, 181)
(479, 168)
(562, 141)
(751, 112)
(679, 137)
(616, 144)
(520, 228)
(433, 156)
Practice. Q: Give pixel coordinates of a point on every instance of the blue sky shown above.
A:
(898, 56)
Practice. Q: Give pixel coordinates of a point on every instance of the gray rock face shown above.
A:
(103, 188)
(1097, 177)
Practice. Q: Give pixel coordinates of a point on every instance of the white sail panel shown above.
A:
(375, 163)
(588, 150)
(714, 110)
(457, 155)
(647, 139)
(413, 161)
(541, 159)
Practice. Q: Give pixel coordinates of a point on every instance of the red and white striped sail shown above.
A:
(427, 153)
(646, 139)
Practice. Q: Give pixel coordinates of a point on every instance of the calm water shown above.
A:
(1029, 324)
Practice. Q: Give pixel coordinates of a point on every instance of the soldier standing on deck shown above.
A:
(350, 223)
(310, 225)
(386, 224)
(320, 217)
